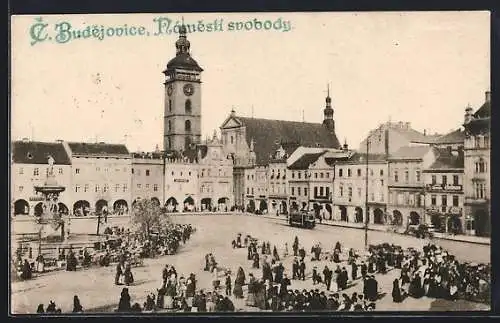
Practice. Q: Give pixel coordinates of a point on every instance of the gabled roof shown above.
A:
(403, 153)
(35, 152)
(305, 161)
(266, 133)
(454, 137)
(83, 148)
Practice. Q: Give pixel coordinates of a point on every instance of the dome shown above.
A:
(184, 60)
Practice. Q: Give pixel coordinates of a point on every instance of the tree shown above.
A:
(148, 215)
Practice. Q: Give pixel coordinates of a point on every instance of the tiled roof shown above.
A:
(413, 135)
(454, 137)
(83, 148)
(33, 152)
(410, 152)
(184, 60)
(305, 160)
(484, 111)
(357, 158)
(266, 132)
(446, 160)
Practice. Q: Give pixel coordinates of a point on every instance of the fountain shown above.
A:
(50, 221)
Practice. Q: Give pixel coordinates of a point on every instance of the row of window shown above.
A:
(104, 169)
(187, 106)
(444, 180)
(359, 172)
(36, 171)
(418, 176)
(98, 188)
(299, 190)
(222, 173)
(316, 175)
(155, 187)
(360, 194)
(444, 200)
(187, 126)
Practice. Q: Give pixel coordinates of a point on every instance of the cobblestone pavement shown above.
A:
(97, 292)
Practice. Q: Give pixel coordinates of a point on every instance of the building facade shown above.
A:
(147, 177)
(29, 168)
(216, 177)
(101, 178)
(444, 193)
(350, 189)
(477, 165)
(406, 184)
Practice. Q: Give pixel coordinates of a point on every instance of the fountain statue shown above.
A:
(50, 221)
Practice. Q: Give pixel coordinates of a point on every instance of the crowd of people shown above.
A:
(431, 272)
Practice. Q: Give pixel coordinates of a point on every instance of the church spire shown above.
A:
(182, 44)
(328, 111)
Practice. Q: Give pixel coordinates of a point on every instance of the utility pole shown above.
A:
(367, 211)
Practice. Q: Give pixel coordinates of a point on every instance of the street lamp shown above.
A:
(366, 194)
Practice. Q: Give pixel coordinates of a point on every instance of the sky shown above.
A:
(418, 67)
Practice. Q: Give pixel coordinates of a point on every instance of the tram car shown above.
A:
(302, 219)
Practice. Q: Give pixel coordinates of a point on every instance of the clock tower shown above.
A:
(182, 113)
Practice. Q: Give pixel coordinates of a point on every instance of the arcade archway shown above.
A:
(81, 208)
(120, 207)
(359, 214)
(206, 204)
(263, 205)
(188, 204)
(155, 201)
(378, 216)
(397, 218)
(343, 213)
(171, 204)
(414, 218)
(63, 209)
(21, 207)
(101, 206)
(329, 212)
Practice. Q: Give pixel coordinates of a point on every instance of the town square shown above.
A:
(229, 207)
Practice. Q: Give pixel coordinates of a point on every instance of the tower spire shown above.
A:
(328, 111)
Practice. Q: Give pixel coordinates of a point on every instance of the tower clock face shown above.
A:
(188, 89)
(170, 89)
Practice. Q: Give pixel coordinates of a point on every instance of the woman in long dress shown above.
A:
(251, 291)
(396, 292)
(238, 283)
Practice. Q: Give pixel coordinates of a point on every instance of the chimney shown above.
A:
(407, 125)
(425, 132)
(400, 124)
(487, 96)
(345, 147)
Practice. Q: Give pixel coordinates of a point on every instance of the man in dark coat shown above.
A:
(279, 273)
(354, 271)
(327, 273)
(295, 268)
(302, 253)
(302, 270)
(364, 269)
(345, 278)
(285, 282)
(295, 246)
